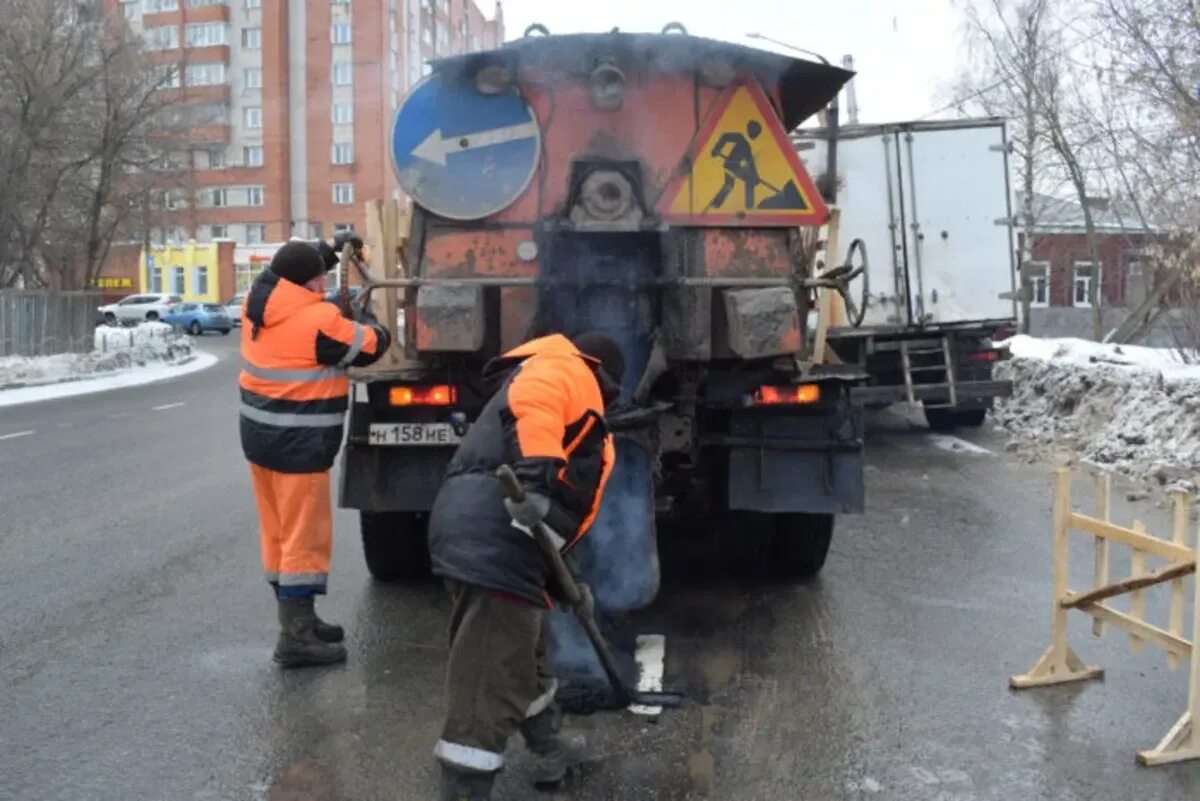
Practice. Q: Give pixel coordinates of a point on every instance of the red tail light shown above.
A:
(983, 357)
(800, 395)
(432, 395)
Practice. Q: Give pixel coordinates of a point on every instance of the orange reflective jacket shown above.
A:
(295, 351)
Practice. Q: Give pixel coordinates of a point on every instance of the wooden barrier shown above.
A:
(1059, 664)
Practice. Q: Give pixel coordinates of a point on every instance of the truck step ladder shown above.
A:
(925, 357)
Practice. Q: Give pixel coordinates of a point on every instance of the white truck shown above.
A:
(930, 204)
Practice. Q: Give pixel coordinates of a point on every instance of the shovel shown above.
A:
(580, 601)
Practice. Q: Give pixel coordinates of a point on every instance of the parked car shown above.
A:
(136, 308)
(197, 318)
(233, 308)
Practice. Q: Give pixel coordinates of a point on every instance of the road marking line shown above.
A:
(949, 443)
(17, 434)
(650, 654)
(166, 406)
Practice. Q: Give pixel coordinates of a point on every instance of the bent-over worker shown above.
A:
(546, 422)
(296, 347)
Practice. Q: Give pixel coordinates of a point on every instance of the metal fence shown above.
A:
(39, 323)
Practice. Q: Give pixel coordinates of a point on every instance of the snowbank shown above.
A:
(115, 349)
(1130, 409)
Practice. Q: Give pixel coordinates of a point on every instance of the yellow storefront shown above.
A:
(195, 272)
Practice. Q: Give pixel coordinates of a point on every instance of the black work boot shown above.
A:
(460, 785)
(555, 751)
(298, 644)
(326, 632)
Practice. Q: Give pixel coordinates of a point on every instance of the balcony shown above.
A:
(209, 12)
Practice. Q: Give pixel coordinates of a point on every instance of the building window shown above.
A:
(343, 73)
(343, 194)
(343, 113)
(154, 274)
(443, 39)
(205, 74)
(252, 156)
(200, 281)
(254, 196)
(216, 159)
(253, 116)
(340, 33)
(253, 3)
(342, 227)
(339, 2)
(168, 76)
(252, 38)
(1085, 274)
(131, 9)
(253, 77)
(153, 6)
(343, 153)
(219, 198)
(206, 34)
(177, 280)
(164, 38)
(196, 3)
(218, 231)
(256, 234)
(427, 36)
(1039, 284)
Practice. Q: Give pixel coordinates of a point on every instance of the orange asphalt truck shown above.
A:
(643, 185)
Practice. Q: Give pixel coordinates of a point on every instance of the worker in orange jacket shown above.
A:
(296, 347)
(547, 422)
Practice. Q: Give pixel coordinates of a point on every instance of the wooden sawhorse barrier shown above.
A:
(1059, 664)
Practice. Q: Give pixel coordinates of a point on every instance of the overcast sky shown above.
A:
(905, 51)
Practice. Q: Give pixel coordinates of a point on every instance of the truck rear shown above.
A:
(930, 203)
(641, 185)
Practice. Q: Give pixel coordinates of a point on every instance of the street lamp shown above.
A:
(756, 35)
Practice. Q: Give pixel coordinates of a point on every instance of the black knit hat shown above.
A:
(298, 262)
(604, 349)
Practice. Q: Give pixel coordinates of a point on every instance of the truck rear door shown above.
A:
(957, 243)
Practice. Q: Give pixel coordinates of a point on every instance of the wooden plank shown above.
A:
(1179, 537)
(1151, 545)
(1143, 630)
(1174, 572)
(1137, 598)
(1103, 512)
(1062, 516)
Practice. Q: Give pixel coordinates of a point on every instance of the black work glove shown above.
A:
(341, 238)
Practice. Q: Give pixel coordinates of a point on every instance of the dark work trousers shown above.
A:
(496, 677)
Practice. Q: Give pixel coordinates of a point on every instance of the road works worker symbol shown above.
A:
(742, 170)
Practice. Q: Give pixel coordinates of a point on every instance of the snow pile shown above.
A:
(1129, 409)
(114, 349)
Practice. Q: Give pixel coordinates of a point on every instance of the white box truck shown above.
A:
(930, 202)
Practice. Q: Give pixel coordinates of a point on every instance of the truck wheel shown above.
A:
(950, 419)
(799, 545)
(395, 545)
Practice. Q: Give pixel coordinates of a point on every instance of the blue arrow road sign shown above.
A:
(463, 154)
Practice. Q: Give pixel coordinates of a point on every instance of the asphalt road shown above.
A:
(135, 637)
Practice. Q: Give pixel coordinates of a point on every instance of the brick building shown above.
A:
(288, 104)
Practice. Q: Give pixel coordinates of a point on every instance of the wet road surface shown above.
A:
(135, 637)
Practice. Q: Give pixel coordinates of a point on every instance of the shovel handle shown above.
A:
(511, 485)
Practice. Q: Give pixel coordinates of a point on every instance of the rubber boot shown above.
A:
(464, 786)
(555, 751)
(298, 644)
(326, 632)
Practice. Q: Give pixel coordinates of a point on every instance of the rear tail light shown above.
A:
(432, 395)
(983, 357)
(799, 395)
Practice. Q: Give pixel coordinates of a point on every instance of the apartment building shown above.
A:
(288, 104)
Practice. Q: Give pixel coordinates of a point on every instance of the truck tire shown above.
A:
(395, 545)
(950, 419)
(792, 546)
(799, 545)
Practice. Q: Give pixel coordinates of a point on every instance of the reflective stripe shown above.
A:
(542, 701)
(272, 576)
(464, 756)
(292, 420)
(356, 346)
(303, 579)
(300, 376)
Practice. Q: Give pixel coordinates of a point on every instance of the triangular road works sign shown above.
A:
(742, 170)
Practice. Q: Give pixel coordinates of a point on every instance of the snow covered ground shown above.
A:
(121, 357)
(1130, 409)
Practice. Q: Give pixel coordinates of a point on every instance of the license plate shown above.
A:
(413, 434)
